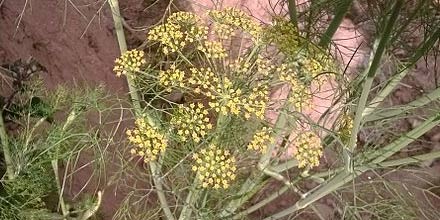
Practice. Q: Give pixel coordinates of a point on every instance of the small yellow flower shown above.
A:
(148, 142)
(261, 140)
(308, 149)
(264, 67)
(180, 30)
(129, 62)
(239, 66)
(300, 95)
(191, 122)
(226, 99)
(211, 166)
(284, 35)
(228, 20)
(213, 49)
(172, 77)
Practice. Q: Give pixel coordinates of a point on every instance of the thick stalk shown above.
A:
(114, 5)
(403, 141)
(287, 165)
(372, 71)
(341, 10)
(398, 110)
(391, 163)
(398, 76)
(6, 150)
(193, 195)
(248, 189)
(293, 13)
(345, 176)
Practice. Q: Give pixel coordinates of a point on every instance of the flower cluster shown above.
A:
(180, 29)
(313, 67)
(203, 80)
(310, 68)
(129, 62)
(191, 122)
(172, 77)
(308, 149)
(264, 66)
(213, 49)
(225, 99)
(149, 143)
(231, 19)
(283, 34)
(261, 139)
(215, 167)
(239, 66)
(300, 95)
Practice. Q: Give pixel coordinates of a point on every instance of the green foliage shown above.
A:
(27, 193)
(41, 135)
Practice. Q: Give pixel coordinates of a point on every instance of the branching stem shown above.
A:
(154, 169)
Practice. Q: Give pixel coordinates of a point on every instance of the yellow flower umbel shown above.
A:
(230, 19)
(172, 77)
(310, 69)
(300, 95)
(308, 150)
(191, 122)
(148, 142)
(129, 62)
(264, 66)
(226, 99)
(239, 66)
(215, 167)
(180, 29)
(213, 49)
(284, 35)
(203, 80)
(260, 140)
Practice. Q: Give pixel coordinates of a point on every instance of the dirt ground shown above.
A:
(76, 43)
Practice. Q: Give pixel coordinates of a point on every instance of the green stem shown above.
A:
(6, 150)
(341, 10)
(93, 209)
(193, 195)
(247, 190)
(262, 203)
(404, 140)
(398, 110)
(377, 157)
(114, 5)
(395, 80)
(410, 160)
(292, 13)
(279, 127)
(372, 71)
(287, 165)
(61, 202)
(336, 182)
(70, 118)
(391, 163)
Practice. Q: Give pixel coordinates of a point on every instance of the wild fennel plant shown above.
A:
(197, 170)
